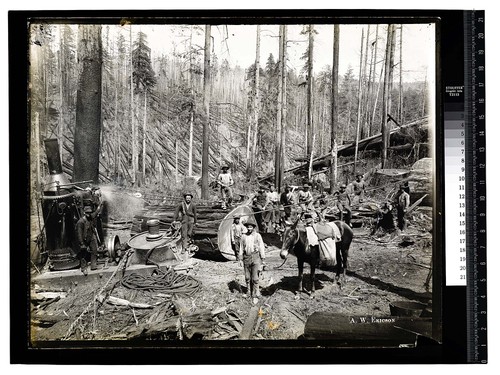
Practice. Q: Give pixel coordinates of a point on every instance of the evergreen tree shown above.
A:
(143, 75)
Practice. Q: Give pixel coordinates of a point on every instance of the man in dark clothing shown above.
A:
(343, 204)
(402, 204)
(86, 235)
(359, 187)
(258, 204)
(384, 219)
(186, 212)
(286, 201)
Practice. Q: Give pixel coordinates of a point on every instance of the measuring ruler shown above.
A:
(465, 186)
(475, 187)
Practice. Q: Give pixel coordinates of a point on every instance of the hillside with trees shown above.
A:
(150, 115)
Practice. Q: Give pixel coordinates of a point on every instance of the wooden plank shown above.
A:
(249, 325)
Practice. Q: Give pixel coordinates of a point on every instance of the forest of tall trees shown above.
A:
(152, 126)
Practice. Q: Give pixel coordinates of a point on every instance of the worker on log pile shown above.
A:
(86, 233)
(225, 180)
(272, 209)
(343, 202)
(187, 213)
(237, 230)
(359, 187)
(252, 255)
(402, 203)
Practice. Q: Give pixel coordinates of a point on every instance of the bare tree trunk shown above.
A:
(358, 123)
(61, 110)
(277, 158)
(311, 158)
(256, 102)
(310, 124)
(36, 135)
(88, 105)
(190, 156)
(371, 82)
(382, 70)
(335, 91)
(283, 110)
(191, 118)
(176, 161)
(144, 136)
(401, 75)
(386, 95)
(116, 129)
(135, 153)
(206, 123)
(364, 89)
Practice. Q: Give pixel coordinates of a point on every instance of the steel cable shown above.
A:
(167, 282)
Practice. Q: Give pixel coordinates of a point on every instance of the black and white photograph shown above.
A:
(265, 181)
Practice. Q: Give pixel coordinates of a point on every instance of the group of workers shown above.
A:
(271, 209)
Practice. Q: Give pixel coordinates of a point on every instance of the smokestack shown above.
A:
(56, 179)
(53, 156)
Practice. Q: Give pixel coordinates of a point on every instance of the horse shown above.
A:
(295, 241)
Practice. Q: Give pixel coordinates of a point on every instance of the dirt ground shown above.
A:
(381, 270)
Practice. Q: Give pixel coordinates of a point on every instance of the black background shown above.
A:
(449, 70)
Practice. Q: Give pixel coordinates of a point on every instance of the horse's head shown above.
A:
(290, 239)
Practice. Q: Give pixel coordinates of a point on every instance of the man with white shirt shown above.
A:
(252, 254)
(225, 181)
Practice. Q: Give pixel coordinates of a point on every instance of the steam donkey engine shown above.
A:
(62, 206)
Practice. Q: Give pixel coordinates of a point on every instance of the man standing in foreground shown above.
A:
(252, 254)
(86, 234)
(186, 212)
(402, 204)
(237, 230)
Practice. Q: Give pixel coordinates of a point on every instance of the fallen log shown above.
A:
(249, 325)
(364, 331)
(123, 302)
(414, 205)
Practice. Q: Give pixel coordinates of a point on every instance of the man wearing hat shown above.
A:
(306, 199)
(258, 203)
(402, 204)
(86, 235)
(237, 230)
(225, 180)
(187, 214)
(343, 203)
(252, 254)
(358, 187)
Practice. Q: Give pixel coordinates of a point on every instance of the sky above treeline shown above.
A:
(237, 44)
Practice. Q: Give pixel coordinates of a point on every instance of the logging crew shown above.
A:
(225, 180)
(237, 230)
(402, 204)
(87, 238)
(343, 204)
(252, 255)
(186, 212)
(359, 187)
